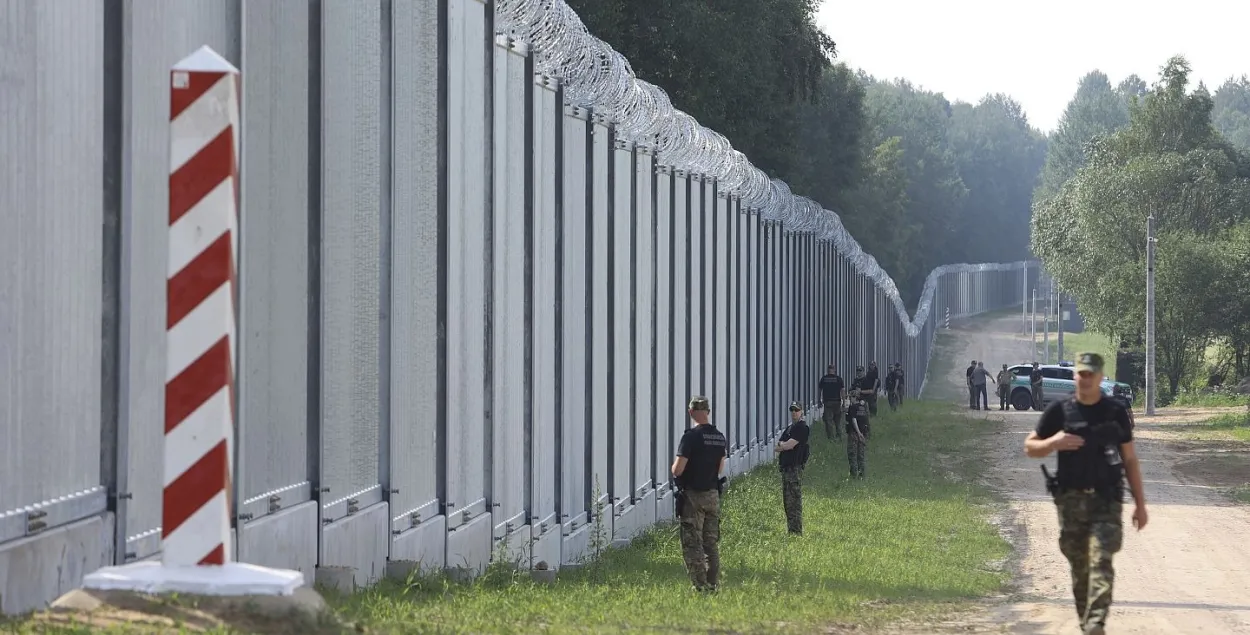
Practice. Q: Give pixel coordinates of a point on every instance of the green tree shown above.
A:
(935, 191)
(1096, 109)
(740, 67)
(1231, 111)
(1170, 162)
(832, 140)
(886, 232)
(998, 155)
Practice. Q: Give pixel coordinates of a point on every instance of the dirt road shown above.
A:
(1187, 572)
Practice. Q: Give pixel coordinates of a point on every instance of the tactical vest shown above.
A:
(1109, 472)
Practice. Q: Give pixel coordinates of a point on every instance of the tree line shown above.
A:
(918, 180)
(1181, 154)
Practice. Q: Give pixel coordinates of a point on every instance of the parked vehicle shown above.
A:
(1058, 382)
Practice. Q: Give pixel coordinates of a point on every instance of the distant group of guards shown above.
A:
(701, 454)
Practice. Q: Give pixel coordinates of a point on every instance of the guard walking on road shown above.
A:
(696, 471)
(1094, 440)
(832, 392)
(857, 429)
(792, 451)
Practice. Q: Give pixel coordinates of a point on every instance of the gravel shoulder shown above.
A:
(1185, 573)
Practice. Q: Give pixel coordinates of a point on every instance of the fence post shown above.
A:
(197, 554)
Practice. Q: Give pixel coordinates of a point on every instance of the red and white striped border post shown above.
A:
(200, 321)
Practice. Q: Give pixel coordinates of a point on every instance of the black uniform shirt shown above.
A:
(857, 411)
(831, 387)
(1078, 468)
(796, 456)
(870, 380)
(891, 380)
(703, 446)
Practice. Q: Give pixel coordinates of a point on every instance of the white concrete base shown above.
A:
(235, 578)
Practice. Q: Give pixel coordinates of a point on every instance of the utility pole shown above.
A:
(1150, 315)
(1033, 322)
(1046, 311)
(1059, 323)
(1024, 299)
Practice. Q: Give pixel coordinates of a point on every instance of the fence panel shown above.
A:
(468, 181)
(543, 349)
(51, 265)
(416, 428)
(275, 234)
(600, 424)
(508, 450)
(665, 395)
(575, 371)
(620, 318)
(643, 313)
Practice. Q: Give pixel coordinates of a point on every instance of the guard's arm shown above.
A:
(720, 469)
(788, 444)
(679, 466)
(1037, 447)
(1132, 471)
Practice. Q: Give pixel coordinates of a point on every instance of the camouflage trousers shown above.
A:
(700, 538)
(1037, 397)
(1090, 533)
(855, 449)
(832, 414)
(792, 498)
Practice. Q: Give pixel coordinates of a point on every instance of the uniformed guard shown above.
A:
(792, 450)
(1004, 387)
(902, 382)
(696, 472)
(857, 428)
(1094, 440)
(871, 383)
(1035, 386)
(832, 392)
(892, 380)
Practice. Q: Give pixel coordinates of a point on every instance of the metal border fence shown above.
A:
(483, 267)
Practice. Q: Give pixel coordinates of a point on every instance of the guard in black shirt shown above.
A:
(832, 392)
(792, 452)
(696, 472)
(1094, 439)
(891, 387)
(856, 435)
(872, 381)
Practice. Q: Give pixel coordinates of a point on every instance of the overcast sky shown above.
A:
(1036, 50)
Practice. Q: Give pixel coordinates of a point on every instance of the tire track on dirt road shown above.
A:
(1187, 572)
